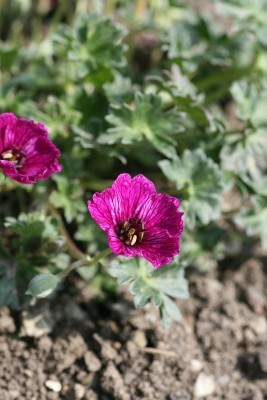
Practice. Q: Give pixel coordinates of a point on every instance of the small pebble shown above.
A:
(79, 391)
(196, 365)
(204, 385)
(139, 339)
(14, 394)
(263, 361)
(55, 386)
(92, 363)
(258, 325)
(224, 380)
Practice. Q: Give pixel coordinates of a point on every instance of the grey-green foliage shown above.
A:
(69, 197)
(9, 295)
(33, 226)
(94, 42)
(254, 219)
(144, 119)
(202, 181)
(245, 151)
(246, 14)
(251, 100)
(42, 285)
(111, 111)
(148, 284)
(35, 244)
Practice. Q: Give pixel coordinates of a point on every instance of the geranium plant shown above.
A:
(143, 109)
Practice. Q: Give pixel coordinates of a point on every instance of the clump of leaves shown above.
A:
(202, 181)
(148, 284)
(118, 97)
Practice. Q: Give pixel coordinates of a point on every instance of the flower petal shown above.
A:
(7, 121)
(118, 204)
(31, 138)
(162, 211)
(132, 194)
(158, 247)
(103, 208)
(129, 198)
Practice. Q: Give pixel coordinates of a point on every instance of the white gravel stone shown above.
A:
(79, 390)
(258, 325)
(204, 385)
(139, 339)
(196, 365)
(55, 386)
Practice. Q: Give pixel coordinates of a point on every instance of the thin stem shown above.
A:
(88, 262)
(74, 250)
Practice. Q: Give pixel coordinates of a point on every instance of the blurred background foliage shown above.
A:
(175, 90)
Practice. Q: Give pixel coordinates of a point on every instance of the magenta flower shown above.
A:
(26, 153)
(138, 221)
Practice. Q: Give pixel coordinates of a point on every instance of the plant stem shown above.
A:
(73, 249)
(85, 262)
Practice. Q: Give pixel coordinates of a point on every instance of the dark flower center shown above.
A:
(14, 155)
(131, 232)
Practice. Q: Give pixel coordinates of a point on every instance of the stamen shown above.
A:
(131, 232)
(14, 155)
(134, 240)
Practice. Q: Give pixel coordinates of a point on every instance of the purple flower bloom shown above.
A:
(26, 153)
(138, 221)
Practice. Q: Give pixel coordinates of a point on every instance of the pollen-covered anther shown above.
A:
(14, 155)
(131, 232)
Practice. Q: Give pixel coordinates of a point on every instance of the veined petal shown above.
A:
(26, 153)
(159, 247)
(138, 221)
(7, 121)
(103, 208)
(132, 193)
(162, 211)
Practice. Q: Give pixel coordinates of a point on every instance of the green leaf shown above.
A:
(69, 197)
(171, 308)
(8, 55)
(246, 14)
(148, 284)
(58, 116)
(254, 221)
(8, 292)
(118, 91)
(42, 285)
(202, 181)
(27, 225)
(246, 153)
(93, 44)
(251, 101)
(8, 284)
(144, 119)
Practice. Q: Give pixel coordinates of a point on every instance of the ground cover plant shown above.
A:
(143, 93)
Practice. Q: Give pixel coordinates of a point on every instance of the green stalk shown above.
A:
(88, 262)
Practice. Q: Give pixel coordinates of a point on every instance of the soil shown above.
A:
(75, 348)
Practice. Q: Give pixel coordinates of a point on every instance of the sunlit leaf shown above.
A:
(148, 284)
(42, 285)
(93, 43)
(68, 196)
(246, 153)
(254, 220)
(203, 182)
(143, 119)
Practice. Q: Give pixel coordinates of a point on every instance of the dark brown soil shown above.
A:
(116, 352)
